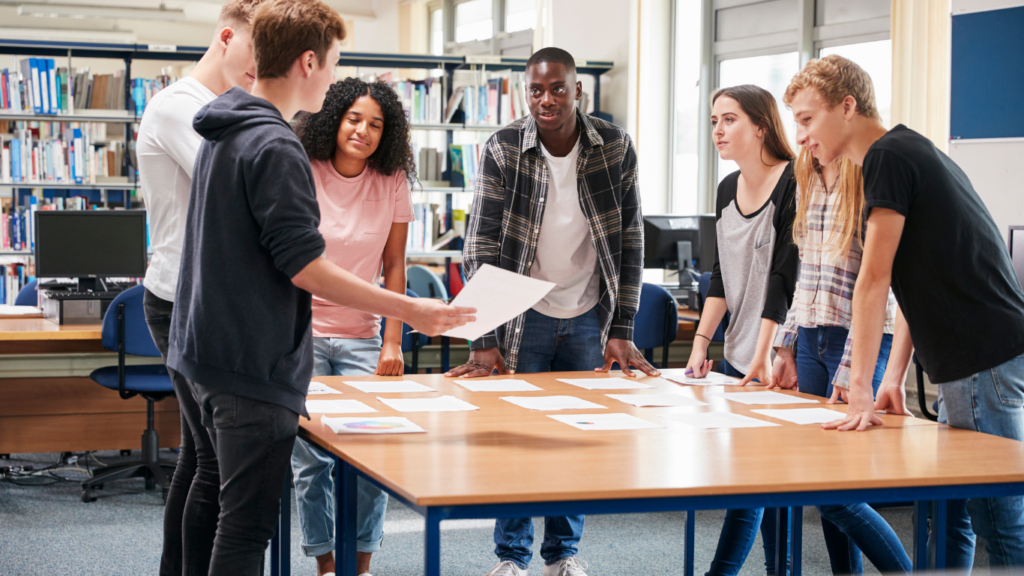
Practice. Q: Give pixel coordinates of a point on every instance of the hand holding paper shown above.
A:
(496, 296)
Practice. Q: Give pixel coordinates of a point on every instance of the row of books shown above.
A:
(12, 278)
(35, 86)
(423, 100)
(434, 229)
(496, 102)
(464, 159)
(16, 228)
(57, 152)
(38, 86)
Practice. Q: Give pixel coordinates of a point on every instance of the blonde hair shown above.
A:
(835, 78)
(848, 220)
(282, 30)
(239, 11)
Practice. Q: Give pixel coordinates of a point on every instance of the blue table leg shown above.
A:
(688, 550)
(345, 518)
(920, 536)
(797, 519)
(937, 561)
(432, 548)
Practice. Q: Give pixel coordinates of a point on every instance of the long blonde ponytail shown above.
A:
(848, 223)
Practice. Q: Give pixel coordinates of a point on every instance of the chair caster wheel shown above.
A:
(88, 496)
(126, 453)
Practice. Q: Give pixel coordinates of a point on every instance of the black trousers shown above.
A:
(190, 516)
(253, 443)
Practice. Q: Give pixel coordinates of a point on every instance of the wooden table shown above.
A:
(482, 464)
(70, 413)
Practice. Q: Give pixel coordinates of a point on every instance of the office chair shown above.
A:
(28, 295)
(125, 331)
(656, 322)
(421, 280)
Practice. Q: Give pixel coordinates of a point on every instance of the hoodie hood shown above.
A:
(234, 110)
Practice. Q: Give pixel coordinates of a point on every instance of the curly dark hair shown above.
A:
(319, 132)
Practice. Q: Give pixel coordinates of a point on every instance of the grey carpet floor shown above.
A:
(48, 530)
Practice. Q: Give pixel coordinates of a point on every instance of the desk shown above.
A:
(483, 464)
(70, 413)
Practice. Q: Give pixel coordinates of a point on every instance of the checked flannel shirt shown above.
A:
(824, 290)
(508, 204)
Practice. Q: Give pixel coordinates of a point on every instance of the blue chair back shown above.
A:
(137, 341)
(408, 340)
(657, 319)
(425, 283)
(705, 284)
(28, 295)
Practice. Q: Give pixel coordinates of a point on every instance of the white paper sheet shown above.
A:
(8, 310)
(511, 385)
(709, 420)
(321, 388)
(390, 387)
(642, 400)
(378, 425)
(763, 397)
(336, 407)
(498, 296)
(712, 378)
(804, 415)
(551, 402)
(605, 383)
(604, 421)
(441, 404)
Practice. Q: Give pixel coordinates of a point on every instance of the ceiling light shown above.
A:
(102, 12)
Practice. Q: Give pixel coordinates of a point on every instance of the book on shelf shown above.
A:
(13, 277)
(492, 98)
(464, 160)
(41, 152)
(428, 166)
(423, 100)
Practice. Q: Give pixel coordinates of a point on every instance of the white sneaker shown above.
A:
(507, 568)
(566, 567)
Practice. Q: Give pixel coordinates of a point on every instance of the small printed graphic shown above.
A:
(364, 425)
(587, 423)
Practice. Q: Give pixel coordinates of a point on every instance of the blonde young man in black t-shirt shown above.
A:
(931, 238)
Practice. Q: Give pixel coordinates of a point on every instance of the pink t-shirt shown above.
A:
(355, 218)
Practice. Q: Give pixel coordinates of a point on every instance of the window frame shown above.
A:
(500, 41)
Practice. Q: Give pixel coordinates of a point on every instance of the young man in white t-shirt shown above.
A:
(557, 199)
(166, 148)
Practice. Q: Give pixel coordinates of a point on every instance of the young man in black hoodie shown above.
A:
(241, 331)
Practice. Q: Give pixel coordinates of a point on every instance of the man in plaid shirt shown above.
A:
(577, 175)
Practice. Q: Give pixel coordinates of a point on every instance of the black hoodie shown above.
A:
(239, 324)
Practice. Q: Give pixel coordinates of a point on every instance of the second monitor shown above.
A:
(663, 235)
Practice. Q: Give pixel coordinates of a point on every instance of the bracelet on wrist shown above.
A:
(704, 337)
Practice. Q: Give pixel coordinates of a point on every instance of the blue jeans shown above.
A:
(992, 402)
(851, 527)
(313, 470)
(550, 345)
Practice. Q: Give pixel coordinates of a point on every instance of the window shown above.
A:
(686, 99)
(876, 59)
(773, 73)
(437, 31)
(473, 21)
(520, 15)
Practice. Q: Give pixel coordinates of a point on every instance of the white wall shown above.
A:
(994, 167)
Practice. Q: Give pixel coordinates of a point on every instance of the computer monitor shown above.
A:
(1017, 251)
(663, 233)
(90, 245)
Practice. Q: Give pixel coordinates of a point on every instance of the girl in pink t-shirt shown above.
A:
(358, 145)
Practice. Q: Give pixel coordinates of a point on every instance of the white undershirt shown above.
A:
(166, 150)
(565, 249)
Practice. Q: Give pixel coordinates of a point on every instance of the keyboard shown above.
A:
(69, 295)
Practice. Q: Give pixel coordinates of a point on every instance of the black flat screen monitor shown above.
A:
(90, 243)
(1017, 251)
(662, 232)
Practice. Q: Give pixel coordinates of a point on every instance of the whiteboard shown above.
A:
(996, 170)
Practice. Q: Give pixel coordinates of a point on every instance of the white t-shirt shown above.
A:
(565, 249)
(166, 150)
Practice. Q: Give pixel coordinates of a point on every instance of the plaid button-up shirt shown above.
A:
(508, 205)
(824, 291)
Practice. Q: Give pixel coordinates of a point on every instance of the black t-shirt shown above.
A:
(952, 274)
